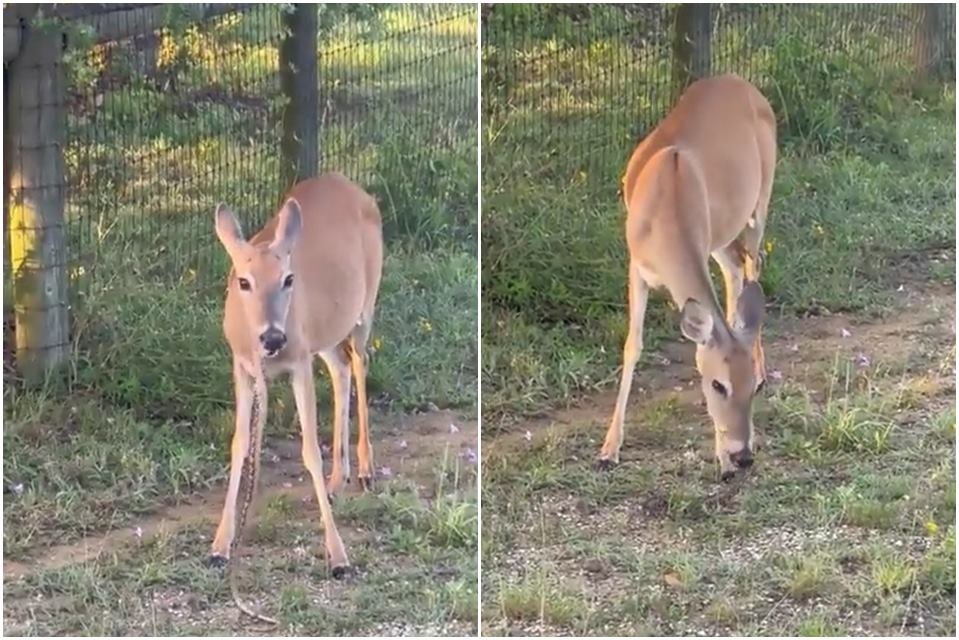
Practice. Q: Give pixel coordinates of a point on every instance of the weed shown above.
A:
(811, 576)
(538, 600)
(818, 626)
(892, 575)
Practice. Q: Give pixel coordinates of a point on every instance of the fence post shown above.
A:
(692, 33)
(38, 252)
(932, 39)
(300, 146)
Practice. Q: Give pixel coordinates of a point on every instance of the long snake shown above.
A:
(247, 491)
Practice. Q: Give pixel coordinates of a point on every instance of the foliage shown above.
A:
(856, 135)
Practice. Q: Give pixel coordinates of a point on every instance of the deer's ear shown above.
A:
(288, 227)
(750, 309)
(696, 322)
(228, 229)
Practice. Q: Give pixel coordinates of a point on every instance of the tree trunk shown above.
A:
(932, 45)
(692, 33)
(300, 146)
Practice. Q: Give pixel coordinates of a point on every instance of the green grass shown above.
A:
(161, 586)
(863, 193)
(842, 540)
(142, 418)
(845, 524)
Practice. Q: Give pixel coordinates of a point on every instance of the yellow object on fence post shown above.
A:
(38, 252)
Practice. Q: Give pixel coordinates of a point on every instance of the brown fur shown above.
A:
(699, 186)
(312, 274)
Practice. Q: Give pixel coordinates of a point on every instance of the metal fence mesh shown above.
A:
(164, 125)
(166, 118)
(572, 88)
(161, 126)
(568, 92)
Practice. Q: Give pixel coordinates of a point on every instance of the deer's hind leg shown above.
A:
(751, 237)
(359, 359)
(338, 364)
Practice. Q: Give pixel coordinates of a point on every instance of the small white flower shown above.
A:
(138, 532)
(528, 436)
(845, 333)
(403, 444)
(17, 489)
(454, 428)
(776, 375)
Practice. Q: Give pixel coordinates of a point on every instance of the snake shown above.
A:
(247, 492)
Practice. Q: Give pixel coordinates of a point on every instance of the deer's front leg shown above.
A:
(638, 296)
(305, 395)
(243, 390)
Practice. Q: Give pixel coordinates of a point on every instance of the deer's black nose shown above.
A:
(273, 340)
(742, 458)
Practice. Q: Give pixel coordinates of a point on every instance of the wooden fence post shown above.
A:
(300, 146)
(933, 48)
(692, 32)
(38, 252)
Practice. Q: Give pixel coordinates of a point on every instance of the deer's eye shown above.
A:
(719, 388)
(244, 284)
(288, 281)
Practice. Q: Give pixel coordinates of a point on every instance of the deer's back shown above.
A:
(719, 124)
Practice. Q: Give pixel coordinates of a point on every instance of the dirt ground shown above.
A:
(411, 453)
(659, 546)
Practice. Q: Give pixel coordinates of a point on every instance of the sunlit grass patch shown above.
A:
(810, 576)
(540, 598)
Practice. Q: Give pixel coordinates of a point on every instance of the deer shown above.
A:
(306, 284)
(699, 186)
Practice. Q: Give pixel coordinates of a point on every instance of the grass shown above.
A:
(863, 190)
(141, 423)
(842, 541)
(161, 586)
(845, 525)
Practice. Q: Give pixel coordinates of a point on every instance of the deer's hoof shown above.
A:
(728, 475)
(605, 464)
(341, 571)
(216, 561)
(366, 483)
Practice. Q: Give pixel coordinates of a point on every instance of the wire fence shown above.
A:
(169, 109)
(164, 125)
(570, 89)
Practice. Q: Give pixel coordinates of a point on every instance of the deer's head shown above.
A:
(262, 274)
(724, 360)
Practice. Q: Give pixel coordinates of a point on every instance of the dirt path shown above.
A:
(796, 348)
(406, 447)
